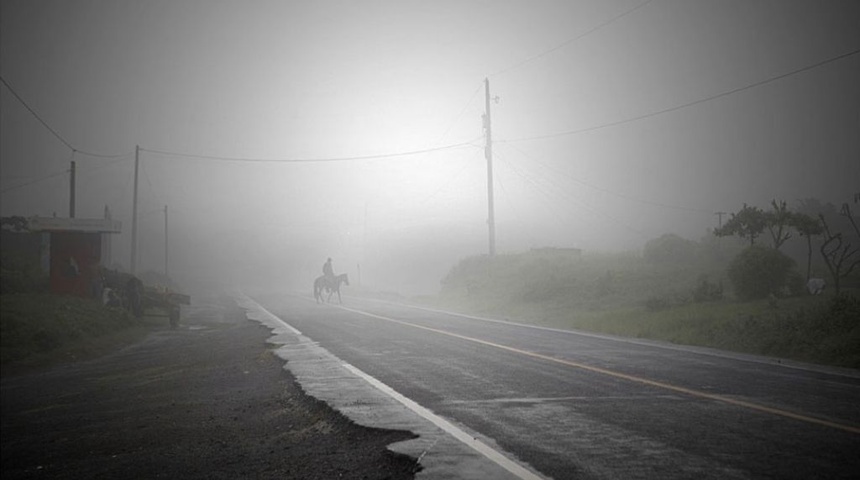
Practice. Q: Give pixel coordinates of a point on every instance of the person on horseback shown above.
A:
(328, 272)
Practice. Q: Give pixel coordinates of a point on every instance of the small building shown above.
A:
(74, 250)
(564, 252)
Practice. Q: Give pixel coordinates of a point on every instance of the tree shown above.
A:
(807, 226)
(669, 248)
(14, 223)
(778, 222)
(749, 222)
(759, 271)
(837, 252)
(846, 212)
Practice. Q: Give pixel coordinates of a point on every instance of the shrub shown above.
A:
(706, 291)
(669, 249)
(657, 303)
(759, 271)
(21, 275)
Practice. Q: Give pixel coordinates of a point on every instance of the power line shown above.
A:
(309, 160)
(606, 190)
(118, 160)
(37, 180)
(445, 184)
(62, 172)
(514, 210)
(54, 132)
(688, 104)
(42, 177)
(465, 107)
(574, 39)
(593, 210)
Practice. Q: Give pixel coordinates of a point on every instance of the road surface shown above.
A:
(570, 405)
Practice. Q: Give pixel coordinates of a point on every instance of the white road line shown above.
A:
(713, 352)
(493, 455)
(447, 426)
(618, 374)
(264, 315)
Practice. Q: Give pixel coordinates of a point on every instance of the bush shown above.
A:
(21, 275)
(706, 291)
(669, 249)
(759, 271)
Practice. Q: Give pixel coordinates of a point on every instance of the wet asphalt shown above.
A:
(580, 406)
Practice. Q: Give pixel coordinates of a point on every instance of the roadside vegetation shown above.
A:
(726, 291)
(38, 329)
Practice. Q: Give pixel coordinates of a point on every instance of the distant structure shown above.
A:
(73, 250)
(567, 252)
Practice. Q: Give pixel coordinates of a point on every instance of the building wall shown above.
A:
(75, 258)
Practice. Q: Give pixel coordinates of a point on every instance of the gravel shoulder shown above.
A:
(208, 400)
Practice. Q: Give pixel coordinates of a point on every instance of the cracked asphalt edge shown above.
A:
(324, 376)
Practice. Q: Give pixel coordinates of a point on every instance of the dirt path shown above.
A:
(208, 400)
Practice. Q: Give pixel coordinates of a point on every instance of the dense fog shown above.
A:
(282, 133)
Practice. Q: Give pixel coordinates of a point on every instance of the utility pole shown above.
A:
(165, 243)
(72, 191)
(488, 152)
(720, 216)
(134, 213)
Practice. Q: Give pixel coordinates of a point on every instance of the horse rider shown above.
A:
(328, 272)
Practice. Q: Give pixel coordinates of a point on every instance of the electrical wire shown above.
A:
(446, 184)
(606, 190)
(572, 40)
(37, 180)
(54, 132)
(688, 104)
(551, 201)
(309, 160)
(465, 107)
(42, 177)
(509, 200)
(89, 171)
(593, 210)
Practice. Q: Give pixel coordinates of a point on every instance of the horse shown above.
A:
(322, 283)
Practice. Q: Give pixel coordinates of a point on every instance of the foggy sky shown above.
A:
(326, 79)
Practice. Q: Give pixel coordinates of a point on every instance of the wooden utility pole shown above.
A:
(72, 191)
(165, 242)
(720, 216)
(134, 213)
(488, 152)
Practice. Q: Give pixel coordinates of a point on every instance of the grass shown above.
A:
(628, 296)
(39, 330)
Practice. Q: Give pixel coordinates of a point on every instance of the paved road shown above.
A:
(582, 406)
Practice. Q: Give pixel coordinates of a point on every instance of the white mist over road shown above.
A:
(580, 161)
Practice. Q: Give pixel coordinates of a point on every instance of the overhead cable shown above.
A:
(465, 107)
(54, 132)
(574, 39)
(688, 104)
(606, 190)
(308, 160)
(36, 180)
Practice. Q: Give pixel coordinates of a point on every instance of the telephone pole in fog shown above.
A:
(720, 216)
(488, 152)
(165, 242)
(134, 213)
(72, 191)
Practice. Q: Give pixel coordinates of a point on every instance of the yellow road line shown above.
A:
(624, 376)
